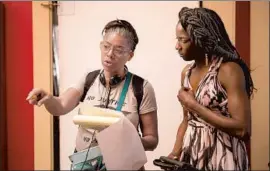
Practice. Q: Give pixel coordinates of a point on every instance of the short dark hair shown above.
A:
(123, 24)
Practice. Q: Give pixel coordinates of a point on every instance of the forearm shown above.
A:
(149, 142)
(63, 104)
(229, 125)
(54, 106)
(179, 138)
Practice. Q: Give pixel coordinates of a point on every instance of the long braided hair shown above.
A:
(207, 31)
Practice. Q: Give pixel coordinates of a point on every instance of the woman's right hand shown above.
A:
(38, 97)
(173, 156)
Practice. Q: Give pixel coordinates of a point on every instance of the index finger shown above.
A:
(34, 94)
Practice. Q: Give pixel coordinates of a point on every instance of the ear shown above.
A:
(131, 54)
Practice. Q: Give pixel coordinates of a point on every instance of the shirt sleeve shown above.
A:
(148, 103)
(79, 86)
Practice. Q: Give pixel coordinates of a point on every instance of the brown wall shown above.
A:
(259, 60)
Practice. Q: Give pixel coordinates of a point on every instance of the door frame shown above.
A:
(3, 119)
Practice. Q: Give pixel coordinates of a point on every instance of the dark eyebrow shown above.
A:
(122, 47)
(180, 37)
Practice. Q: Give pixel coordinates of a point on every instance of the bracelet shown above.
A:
(174, 156)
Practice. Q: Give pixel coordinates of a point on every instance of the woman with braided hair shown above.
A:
(215, 94)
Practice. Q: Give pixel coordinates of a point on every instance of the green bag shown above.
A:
(90, 165)
(90, 159)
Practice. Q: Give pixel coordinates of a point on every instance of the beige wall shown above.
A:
(226, 10)
(42, 79)
(260, 104)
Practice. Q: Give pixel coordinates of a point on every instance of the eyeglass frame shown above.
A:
(112, 47)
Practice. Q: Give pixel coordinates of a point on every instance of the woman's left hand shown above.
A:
(186, 97)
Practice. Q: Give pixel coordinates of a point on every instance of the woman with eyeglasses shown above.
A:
(139, 104)
(215, 93)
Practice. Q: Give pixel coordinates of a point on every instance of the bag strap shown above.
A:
(89, 80)
(137, 84)
(124, 92)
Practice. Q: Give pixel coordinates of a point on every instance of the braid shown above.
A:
(127, 28)
(207, 31)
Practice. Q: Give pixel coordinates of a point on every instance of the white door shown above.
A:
(80, 26)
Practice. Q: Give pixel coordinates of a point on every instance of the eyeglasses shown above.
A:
(117, 51)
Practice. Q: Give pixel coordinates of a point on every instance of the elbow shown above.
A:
(239, 129)
(153, 145)
(242, 133)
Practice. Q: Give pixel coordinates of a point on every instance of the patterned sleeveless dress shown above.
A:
(204, 146)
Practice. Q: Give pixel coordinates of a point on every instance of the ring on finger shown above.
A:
(33, 97)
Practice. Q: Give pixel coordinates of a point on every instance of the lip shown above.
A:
(181, 55)
(107, 63)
